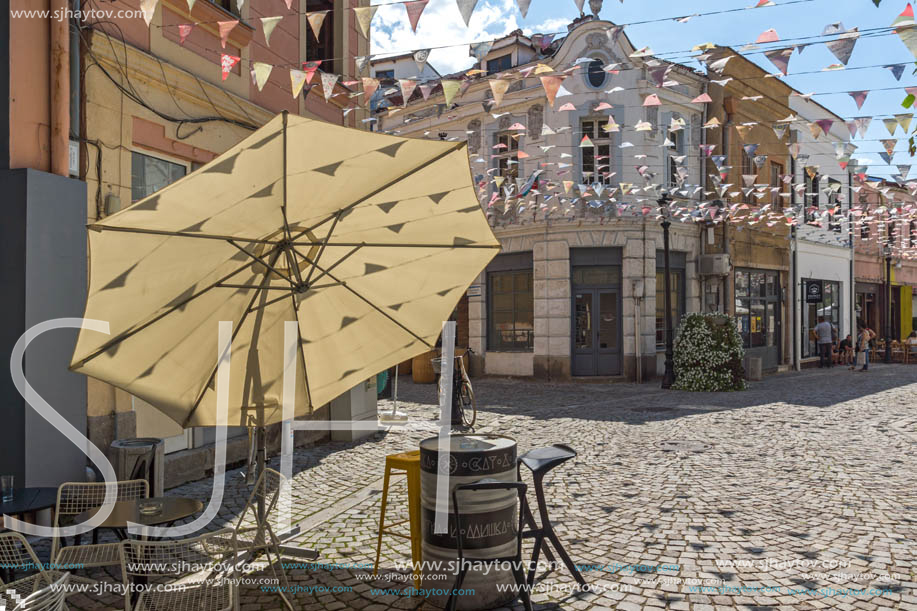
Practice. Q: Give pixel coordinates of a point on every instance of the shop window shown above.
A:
(596, 160)
(829, 307)
(510, 319)
(776, 184)
(150, 174)
(757, 307)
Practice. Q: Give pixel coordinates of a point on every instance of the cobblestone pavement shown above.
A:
(803, 483)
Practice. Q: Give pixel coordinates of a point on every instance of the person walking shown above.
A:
(824, 334)
(864, 336)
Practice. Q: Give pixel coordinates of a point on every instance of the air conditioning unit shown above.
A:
(713, 265)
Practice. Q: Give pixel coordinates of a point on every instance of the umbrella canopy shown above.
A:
(366, 240)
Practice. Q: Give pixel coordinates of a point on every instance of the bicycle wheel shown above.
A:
(466, 397)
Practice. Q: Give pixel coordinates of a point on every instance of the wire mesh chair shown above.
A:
(73, 499)
(49, 598)
(193, 574)
(17, 555)
(253, 534)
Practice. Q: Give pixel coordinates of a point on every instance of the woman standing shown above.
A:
(864, 336)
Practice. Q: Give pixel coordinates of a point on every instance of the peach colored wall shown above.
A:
(30, 99)
(282, 51)
(152, 136)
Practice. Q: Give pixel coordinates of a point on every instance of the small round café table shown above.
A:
(174, 508)
(28, 500)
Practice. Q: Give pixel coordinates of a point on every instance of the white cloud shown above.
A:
(442, 29)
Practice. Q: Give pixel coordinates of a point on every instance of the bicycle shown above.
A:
(462, 393)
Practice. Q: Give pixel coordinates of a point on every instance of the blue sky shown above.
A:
(441, 24)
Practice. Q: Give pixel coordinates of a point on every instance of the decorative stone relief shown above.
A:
(474, 138)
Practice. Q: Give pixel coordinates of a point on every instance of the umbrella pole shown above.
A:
(261, 459)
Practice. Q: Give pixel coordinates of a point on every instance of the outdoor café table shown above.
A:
(174, 508)
(28, 500)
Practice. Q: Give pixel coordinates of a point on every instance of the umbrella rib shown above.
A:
(128, 334)
(235, 331)
(180, 234)
(337, 218)
(288, 236)
(333, 265)
(394, 181)
(371, 304)
(262, 262)
(401, 245)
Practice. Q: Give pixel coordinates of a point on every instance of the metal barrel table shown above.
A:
(489, 518)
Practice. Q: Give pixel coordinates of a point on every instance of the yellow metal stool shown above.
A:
(406, 463)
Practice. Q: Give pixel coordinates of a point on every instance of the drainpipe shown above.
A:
(59, 71)
(728, 303)
(75, 75)
(794, 271)
(701, 179)
(852, 306)
(638, 306)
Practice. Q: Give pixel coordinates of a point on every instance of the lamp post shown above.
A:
(888, 303)
(668, 378)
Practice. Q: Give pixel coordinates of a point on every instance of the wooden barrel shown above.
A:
(490, 519)
(422, 368)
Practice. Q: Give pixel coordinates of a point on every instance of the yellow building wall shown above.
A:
(906, 301)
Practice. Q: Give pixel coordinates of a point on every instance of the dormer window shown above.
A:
(499, 64)
(596, 74)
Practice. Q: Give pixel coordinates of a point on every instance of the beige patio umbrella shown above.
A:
(367, 240)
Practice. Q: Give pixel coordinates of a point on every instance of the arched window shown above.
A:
(595, 73)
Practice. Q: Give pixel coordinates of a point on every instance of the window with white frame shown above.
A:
(677, 149)
(596, 160)
(506, 155)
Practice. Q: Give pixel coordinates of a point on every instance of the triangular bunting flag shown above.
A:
(191, 5)
(652, 100)
(370, 85)
(891, 125)
(524, 7)
(780, 58)
(859, 97)
(551, 84)
(407, 89)
(889, 145)
(328, 82)
(148, 7)
(904, 120)
(842, 47)
(420, 59)
(466, 7)
(479, 50)
(862, 124)
(225, 28)
(297, 80)
(361, 61)
(267, 26)
(316, 19)
(498, 87)
(227, 63)
(780, 130)
(310, 68)
(450, 88)
(825, 125)
(852, 128)
(425, 90)
(897, 70)
(364, 16)
(183, 30)
(262, 73)
(414, 9)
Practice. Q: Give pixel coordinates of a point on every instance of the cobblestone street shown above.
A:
(803, 482)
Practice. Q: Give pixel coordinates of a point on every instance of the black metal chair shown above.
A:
(515, 561)
(540, 461)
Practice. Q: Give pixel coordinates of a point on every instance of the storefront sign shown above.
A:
(814, 291)
(474, 290)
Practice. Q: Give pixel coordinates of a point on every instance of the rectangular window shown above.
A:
(499, 64)
(912, 235)
(829, 307)
(230, 6)
(321, 48)
(677, 305)
(678, 139)
(864, 230)
(776, 184)
(506, 154)
(150, 174)
(757, 307)
(511, 315)
(385, 75)
(596, 159)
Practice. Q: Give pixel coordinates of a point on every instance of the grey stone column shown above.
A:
(551, 261)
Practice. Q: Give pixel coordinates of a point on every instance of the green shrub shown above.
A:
(708, 354)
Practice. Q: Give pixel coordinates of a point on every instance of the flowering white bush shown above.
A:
(708, 354)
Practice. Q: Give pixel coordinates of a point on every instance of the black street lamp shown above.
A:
(888, 303)
(668, 378)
